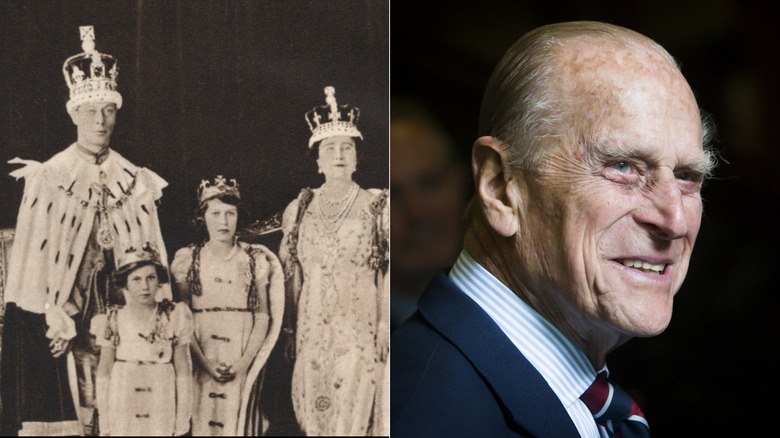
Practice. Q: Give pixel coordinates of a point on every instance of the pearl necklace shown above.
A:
(328, 202)
(332, 222)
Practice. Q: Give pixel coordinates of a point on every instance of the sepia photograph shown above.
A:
(194, 232)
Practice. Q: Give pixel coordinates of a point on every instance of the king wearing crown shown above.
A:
(79, 207)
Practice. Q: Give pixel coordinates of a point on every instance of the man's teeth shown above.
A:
(644, 266)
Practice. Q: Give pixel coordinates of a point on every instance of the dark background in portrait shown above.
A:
(210, 88)
(713, 371)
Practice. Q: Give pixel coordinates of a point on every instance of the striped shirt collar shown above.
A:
(562, 364)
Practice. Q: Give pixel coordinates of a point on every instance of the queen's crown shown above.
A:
(332, 119)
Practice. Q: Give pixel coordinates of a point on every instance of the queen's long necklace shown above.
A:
(332, 222)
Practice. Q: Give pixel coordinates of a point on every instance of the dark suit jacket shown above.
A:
(455, 374)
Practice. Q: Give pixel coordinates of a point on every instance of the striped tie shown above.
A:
(615, 410)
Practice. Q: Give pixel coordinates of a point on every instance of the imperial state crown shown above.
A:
(91, 75)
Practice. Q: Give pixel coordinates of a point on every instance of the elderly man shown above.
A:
(586, 210)
(78, 209)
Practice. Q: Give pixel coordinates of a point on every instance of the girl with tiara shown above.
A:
(236, 293)
(144, 373)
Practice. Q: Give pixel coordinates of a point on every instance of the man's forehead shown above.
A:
(589, 61)
(96, 105)
(625, 89)
(338, 140)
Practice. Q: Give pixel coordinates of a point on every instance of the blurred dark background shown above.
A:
(210, 88)
(713, 371)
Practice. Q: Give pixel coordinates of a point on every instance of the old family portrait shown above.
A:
(195, 218)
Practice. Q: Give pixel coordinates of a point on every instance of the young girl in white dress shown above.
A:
(145, 371)
(236, 293)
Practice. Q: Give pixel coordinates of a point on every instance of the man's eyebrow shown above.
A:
(702, 163)
(615, 148)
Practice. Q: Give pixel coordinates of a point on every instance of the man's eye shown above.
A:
(621, 166)
(686, 175)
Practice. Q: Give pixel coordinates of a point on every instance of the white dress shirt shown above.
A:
(562, 364)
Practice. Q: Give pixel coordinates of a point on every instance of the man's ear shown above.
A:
(495, 189)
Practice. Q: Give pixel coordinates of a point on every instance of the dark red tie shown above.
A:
(614, 409)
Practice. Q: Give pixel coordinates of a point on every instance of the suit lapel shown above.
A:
(525, 394)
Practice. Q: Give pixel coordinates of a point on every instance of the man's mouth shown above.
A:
(645, 266)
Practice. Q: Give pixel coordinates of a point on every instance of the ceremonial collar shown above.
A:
(93, 157)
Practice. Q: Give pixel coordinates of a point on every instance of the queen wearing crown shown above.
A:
(334, 252)
(236, 293)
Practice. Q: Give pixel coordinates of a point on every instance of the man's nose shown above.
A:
(665, 214)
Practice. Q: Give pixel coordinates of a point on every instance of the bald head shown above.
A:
(568, 76)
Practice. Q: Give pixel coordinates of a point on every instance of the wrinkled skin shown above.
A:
(622, 185)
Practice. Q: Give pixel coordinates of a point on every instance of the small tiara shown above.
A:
(220, 186)
(146, 252)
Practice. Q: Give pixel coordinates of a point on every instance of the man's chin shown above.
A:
(648, 326)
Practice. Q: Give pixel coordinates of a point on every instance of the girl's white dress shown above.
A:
(224, 313)
(142, 389)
